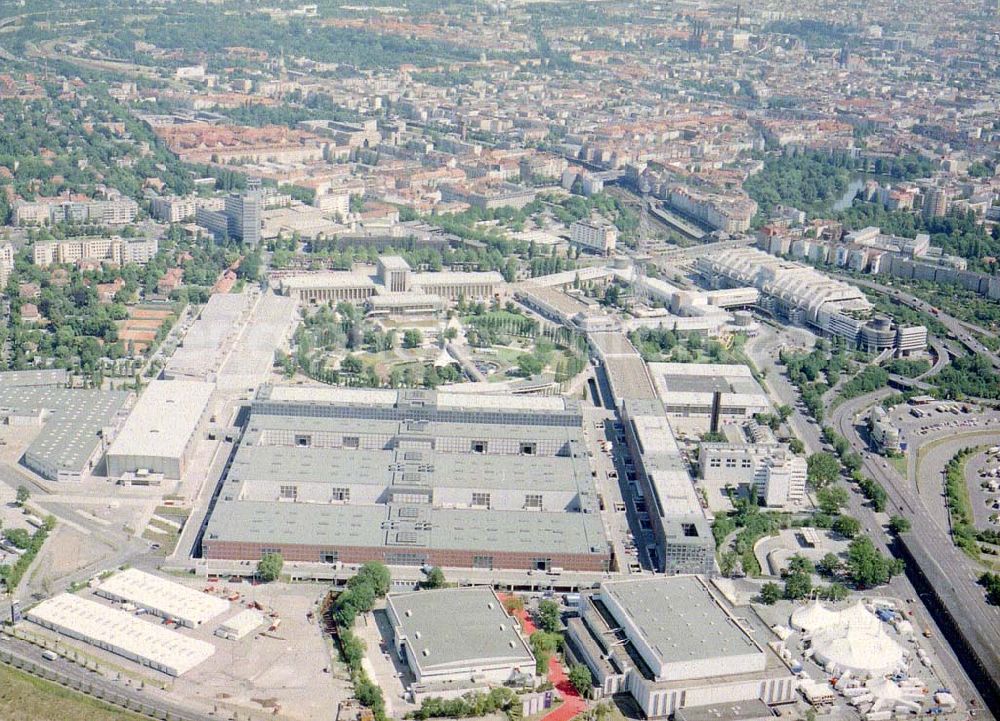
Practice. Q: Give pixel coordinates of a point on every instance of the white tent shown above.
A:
(813, 617)
(860, 649)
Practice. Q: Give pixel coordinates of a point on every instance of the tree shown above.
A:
(797, 585)
(822, 468)
(847, 526)
(412, 338)
(800, 564)
(269, 567)
(784, 412)
(529, 364)
(548, 616)
(581, 679)
(867, 567)
(770, 593)
(23, 494)
(378, 575)
(898, 524)
(435, 578)
(796, 446)
(829, 565)
(831, 499)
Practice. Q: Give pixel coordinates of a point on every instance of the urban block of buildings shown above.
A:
(329, 475)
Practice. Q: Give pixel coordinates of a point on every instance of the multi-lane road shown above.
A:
(763, 352)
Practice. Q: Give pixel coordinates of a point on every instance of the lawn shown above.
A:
(25, 698)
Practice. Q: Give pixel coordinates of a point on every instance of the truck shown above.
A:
(49, 655)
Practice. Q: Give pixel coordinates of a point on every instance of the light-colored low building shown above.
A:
(688, 389)
(161, 597)
(145, 643)
(242, 624)
(458, 638)
(777, 476)
(160, 432)
(670, 642)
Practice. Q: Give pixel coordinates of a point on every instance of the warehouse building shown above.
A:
(242, 624)
(204, 347)
(76, 424)
(159, 434)
(458, 639)
(351, 475)
(160, 597)
(673, 643)
(148, 644)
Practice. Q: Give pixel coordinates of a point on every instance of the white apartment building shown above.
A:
(115, 250)
(6, 262)
(595, 234)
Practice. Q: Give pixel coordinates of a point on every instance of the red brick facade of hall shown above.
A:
(449, 558)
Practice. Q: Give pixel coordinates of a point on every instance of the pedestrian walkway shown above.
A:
(573, 704)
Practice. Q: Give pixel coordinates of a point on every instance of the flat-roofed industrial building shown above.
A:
(411, 477)
(671, 642)
(457, 639)
(76, 423)
(160, 432)
(121, 633)
(688, 389)
(162, 597)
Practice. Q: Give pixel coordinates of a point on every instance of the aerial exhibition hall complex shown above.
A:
(553, 361)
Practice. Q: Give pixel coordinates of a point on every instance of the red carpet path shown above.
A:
(572, 703)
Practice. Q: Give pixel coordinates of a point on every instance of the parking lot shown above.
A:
(626, 518)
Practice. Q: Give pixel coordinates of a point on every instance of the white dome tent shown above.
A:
(852, 639)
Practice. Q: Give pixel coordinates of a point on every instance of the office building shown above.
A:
(243, 214)
(672, 643)
(884, 433)
(393, 276)
(455, 640)
(329, 475)
(910, 340)
(240, 218)
(775, 475)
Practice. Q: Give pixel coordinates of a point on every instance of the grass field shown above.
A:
(26, 698)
